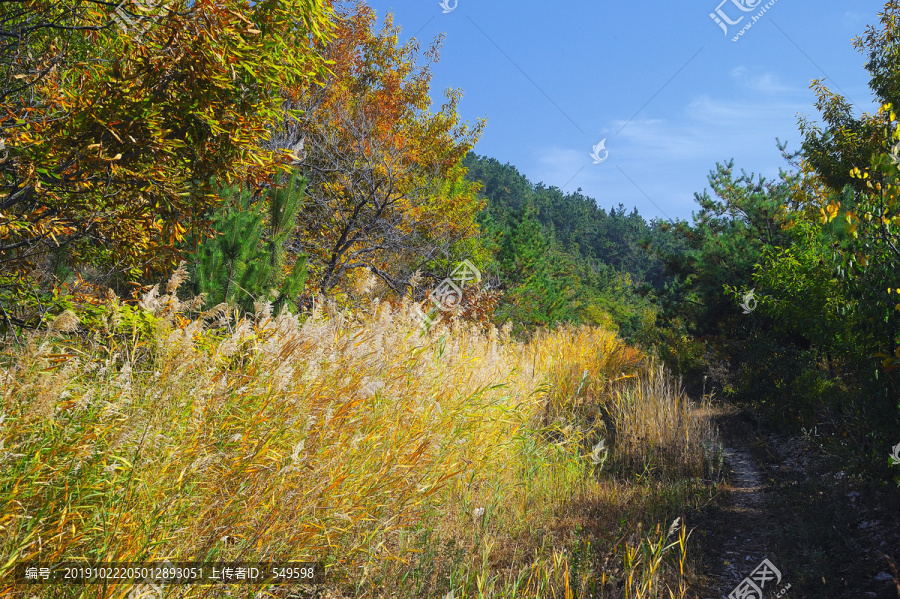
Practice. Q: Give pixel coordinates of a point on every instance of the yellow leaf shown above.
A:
(124, 461)
(829, 212)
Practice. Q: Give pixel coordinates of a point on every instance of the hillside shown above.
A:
(561, 258)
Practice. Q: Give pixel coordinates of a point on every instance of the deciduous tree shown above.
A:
(387, 191)
(114, 136)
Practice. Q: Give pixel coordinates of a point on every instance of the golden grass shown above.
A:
(451, 463)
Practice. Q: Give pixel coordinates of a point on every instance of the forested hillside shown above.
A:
(263, 304)
(562, 258)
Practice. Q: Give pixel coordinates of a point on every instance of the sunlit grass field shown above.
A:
(455, 462)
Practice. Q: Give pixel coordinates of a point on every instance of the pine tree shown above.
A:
(245, 261)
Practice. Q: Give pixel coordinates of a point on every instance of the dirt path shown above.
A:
(788, 499)
(734, 532)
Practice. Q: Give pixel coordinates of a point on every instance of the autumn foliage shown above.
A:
(116, 134)
(386, 188)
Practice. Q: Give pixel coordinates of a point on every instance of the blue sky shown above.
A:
(670, 92)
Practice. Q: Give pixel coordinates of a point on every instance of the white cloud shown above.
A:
(858, 19)
(747, 116)
(659, 156)
(658, 139)
(763, 83)
(562, 159)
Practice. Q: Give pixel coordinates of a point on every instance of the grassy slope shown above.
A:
(409, 464)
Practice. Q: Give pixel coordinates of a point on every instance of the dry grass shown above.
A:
(409, 464)
(660, 432)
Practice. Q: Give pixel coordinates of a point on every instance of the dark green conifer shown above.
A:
(245, 261)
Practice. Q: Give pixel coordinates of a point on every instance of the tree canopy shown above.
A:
(115, 135)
